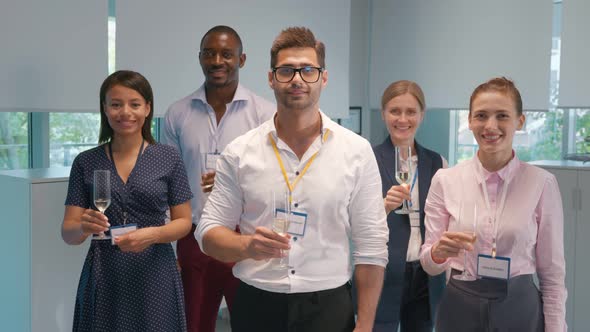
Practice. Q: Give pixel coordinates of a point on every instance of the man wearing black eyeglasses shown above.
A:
(200, 126)
(334, 204)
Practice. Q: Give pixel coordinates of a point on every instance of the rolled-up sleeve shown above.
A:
(224, 205)
(368, 221)
(436, 223)
(550, 256)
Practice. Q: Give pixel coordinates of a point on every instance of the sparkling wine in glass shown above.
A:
(280, 225)
(403, 171)
(469, 219)
(207, 168)
(102, 194)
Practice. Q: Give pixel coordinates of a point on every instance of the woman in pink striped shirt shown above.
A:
(518, 228)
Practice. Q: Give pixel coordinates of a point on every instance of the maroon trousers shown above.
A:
(205, 281)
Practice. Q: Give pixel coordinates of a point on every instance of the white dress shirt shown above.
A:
(190, 125)
(340, 192)
(415, 241)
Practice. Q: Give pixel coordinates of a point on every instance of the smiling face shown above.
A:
(220, 59)
(402, 116)
(126, 110)
(297, 94)
(494, 119)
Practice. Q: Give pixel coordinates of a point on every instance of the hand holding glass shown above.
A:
(281, 209)
(403, 171)
(102, 194)
(208, 172)
(471, 219)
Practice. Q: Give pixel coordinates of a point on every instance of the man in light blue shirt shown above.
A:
(200, 126)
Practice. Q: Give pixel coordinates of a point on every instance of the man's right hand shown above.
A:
(264, 244)
(207, 180)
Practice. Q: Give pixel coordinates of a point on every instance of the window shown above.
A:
(582, 131)
(540, 139)
(14, 140)
(70, 134)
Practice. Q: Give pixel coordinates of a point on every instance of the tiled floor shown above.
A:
(222, 325)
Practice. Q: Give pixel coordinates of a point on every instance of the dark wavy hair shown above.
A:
(134, 81)
(297, 37)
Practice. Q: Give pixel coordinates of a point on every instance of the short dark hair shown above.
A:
(134, 81)
(297, 37)
(223, 29)
(502, 85)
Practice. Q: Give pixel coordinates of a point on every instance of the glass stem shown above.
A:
(465, 262)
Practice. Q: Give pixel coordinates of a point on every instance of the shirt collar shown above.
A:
(327, 124)
(241, 94)
(505, 173)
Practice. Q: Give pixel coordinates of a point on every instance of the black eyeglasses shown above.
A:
(308, 74)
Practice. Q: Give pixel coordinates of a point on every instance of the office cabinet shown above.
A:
(574, 185)
(40, 272)
(582, 252)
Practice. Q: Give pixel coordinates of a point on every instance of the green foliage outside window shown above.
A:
(14, 140)
(583, 131)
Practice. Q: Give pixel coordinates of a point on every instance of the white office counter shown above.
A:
(39, 273)
(573, 178)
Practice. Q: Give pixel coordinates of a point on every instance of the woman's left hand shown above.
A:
(138, 240)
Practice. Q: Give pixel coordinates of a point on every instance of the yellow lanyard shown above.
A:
(290, 185)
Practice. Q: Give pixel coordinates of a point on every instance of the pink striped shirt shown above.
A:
(530, 226)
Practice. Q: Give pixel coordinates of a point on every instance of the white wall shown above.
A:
(54, 55)
(360, 34)
(451, 46)
(575, 55)
(161, 40)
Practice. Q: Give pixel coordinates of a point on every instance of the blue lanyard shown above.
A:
(412, 187)
(124, 195)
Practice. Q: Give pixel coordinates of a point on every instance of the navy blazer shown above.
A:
(399, 230)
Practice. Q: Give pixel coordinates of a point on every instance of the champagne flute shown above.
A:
(102, 194)
(403, 171)
(207, 168)
(466, 276)
(281, 209)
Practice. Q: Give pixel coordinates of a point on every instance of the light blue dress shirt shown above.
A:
(190, 125)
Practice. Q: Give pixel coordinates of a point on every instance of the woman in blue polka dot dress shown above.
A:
(133, 285)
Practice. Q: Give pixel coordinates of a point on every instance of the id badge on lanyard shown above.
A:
(493, 266)
(211, 160)
(120, 230)
(298, 219)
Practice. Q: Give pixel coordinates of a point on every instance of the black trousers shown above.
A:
(256, 310)
(488, 305)
(414, 315)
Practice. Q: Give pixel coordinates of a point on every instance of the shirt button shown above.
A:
(295, 238)
(296, 204)
(292, 271)
(297, 173)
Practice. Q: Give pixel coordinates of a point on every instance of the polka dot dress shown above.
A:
(121, 291)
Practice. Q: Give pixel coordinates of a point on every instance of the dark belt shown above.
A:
(493, 289)
(313, 295)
